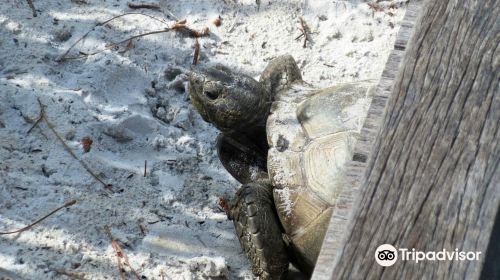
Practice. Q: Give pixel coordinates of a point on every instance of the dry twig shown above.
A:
(375, 7)
(65, 54)
(67, 204)
(179, 26)
(38, 120)
(120, 255)
(32, 7)
(305, 32)
(152, 6)
(43, 116)
(142, 227)
(196, 55)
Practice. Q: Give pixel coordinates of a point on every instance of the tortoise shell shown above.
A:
(311, 134)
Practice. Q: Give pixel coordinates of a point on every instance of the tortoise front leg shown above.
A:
(259, 231)
(242, 157)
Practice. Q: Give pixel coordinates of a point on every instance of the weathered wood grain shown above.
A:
(406, 28)
(433, 177)
(337, 231)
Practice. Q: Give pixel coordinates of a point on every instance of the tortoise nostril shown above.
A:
(211, 94)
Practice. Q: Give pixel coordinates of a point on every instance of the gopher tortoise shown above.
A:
(287, 143)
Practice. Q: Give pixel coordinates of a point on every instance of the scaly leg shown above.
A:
(259, 230)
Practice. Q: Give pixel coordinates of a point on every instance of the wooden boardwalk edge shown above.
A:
(343, 211)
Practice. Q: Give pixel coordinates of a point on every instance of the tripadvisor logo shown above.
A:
(387, 255)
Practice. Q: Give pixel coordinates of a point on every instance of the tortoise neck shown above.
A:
(255, 138)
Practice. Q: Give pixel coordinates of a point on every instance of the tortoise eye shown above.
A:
(211, 94)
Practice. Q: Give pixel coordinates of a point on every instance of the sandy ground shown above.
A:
(134, 109)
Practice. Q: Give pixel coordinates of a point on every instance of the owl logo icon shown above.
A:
(386, 255)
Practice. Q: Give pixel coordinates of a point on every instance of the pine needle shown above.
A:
(67, 204)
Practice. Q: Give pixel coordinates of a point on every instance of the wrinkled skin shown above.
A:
(233, 102)
(239, 106)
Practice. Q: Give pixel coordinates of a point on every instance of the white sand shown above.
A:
(109, 97)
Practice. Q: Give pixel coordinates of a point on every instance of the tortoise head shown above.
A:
(229, 100)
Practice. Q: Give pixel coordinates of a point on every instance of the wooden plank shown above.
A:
(432, 180)
(335, 236)
(407, 25)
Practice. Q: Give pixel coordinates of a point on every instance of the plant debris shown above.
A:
(86, 144)
(196, 54)
(67, 204)
(217, 22)
(224, 205)
(32, 7)
(120, 256)
(305, 32)
(152, 6)
(43, 117)
(179, 26)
